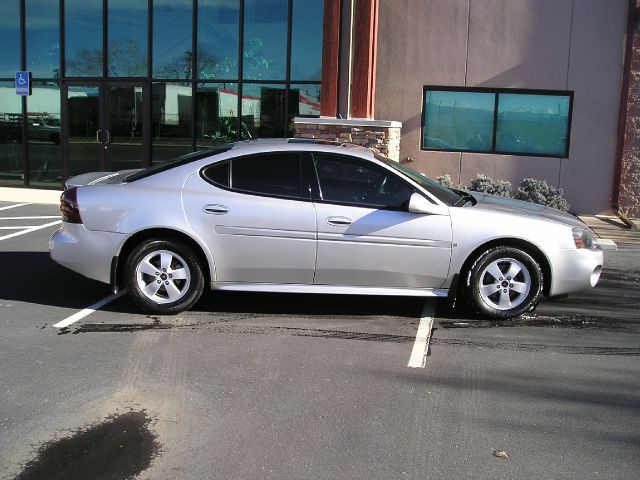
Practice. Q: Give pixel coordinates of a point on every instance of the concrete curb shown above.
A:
(30, 195)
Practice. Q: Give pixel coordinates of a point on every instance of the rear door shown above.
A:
(256, 215)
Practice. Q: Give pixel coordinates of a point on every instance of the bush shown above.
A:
(445, 181)
(537, 191)
(486, 184)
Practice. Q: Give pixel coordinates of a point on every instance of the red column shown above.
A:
(330, 59)
(363, 69)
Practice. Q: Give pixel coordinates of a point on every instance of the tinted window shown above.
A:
(218, 174)
(344, 180)
(277, 174)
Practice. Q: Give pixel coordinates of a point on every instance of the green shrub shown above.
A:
(445, 181)
(485, 184)
(538, 191)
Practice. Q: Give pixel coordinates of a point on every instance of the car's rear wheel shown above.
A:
(164, 276)
(504, 282)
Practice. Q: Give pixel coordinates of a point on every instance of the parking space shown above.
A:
(299, 386)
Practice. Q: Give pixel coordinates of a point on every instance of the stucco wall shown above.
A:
(539, 44)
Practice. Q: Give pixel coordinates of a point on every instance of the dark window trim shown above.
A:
(497, 92)
(304, 176)
(317, 189)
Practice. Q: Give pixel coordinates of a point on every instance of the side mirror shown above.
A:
(419, 204)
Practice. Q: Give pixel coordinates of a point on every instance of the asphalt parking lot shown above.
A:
(298, 386)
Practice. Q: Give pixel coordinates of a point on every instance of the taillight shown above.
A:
(69, 206)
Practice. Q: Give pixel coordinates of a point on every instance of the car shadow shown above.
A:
(37, 279)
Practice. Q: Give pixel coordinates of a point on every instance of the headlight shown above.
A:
(583, 238)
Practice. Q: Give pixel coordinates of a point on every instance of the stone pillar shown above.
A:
(629, 190)
(382, 136)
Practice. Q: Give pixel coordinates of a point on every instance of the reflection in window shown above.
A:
(265, 39)
(10, 38)
(83, 38)
(304, 100)
(532, 124)
(83, 121)
(456, 120)
(218, 37)
(171, 105)
(43, 38)
(43, 135)
(263, 110)
(217, 114)
(172, 35)
(11, 161)
(306, 40)
(127, 38)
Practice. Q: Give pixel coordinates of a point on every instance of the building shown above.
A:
(508, 88)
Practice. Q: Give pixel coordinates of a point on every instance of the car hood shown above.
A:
(98, 178)
(519, 207)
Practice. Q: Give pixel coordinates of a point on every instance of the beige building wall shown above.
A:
(573, 45)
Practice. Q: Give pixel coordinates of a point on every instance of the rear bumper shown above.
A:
(575, 270)
(86, 252)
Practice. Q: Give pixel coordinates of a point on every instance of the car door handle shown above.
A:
(216, 209)
(339, 221)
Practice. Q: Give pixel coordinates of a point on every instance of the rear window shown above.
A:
(178, 162)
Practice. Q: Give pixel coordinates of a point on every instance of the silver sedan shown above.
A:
(312, 217)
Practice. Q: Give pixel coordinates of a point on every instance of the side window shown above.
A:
(274, 174)
(345, 180)
(218, 174)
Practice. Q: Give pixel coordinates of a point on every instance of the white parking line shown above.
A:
(21, 227)
(36, 217)
(88, 311)
(14, 206)
(31, 229)
(418, 357)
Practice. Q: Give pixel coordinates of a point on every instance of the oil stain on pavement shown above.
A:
(120, 447)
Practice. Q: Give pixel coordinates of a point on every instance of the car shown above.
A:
(308, 216)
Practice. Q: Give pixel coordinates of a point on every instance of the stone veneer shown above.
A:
(382, 136)
(629, 197)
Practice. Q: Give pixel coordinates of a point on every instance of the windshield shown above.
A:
(178, 162)
(441, 193)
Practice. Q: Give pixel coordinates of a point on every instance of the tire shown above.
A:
(151, 274)
(504, 282)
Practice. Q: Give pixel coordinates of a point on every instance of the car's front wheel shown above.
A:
(164, 276)
(504, 282)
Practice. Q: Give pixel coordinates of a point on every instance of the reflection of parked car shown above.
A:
(45, 129)
(306, 217)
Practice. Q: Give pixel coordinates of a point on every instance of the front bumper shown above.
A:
(85, 251)
(573, 270)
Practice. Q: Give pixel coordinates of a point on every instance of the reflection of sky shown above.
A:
(471, 100)
(548, 104)
(265, 20)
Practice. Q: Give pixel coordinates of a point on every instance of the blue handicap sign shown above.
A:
(23, 80)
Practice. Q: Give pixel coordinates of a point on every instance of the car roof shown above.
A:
(305, 144)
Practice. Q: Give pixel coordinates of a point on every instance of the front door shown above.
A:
(106, 126)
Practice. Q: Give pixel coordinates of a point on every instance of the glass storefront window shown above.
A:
(265, 39)
(217, 114)
(171, 105)
(218, 37)
(83, 38)
(127, 51)
(43, 38)
(11, 156)
(306, 40)
(172, 39)
(10, 39)
(458, 120)
(533, 124)
(83, 121)
(44, 130)
(304, 100)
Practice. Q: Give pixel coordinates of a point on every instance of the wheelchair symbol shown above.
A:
(21, 79)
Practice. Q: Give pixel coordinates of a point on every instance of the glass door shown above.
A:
(125, 128)
(106, 126)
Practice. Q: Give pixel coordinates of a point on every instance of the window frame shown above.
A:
(497, 92)
(316, 188)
